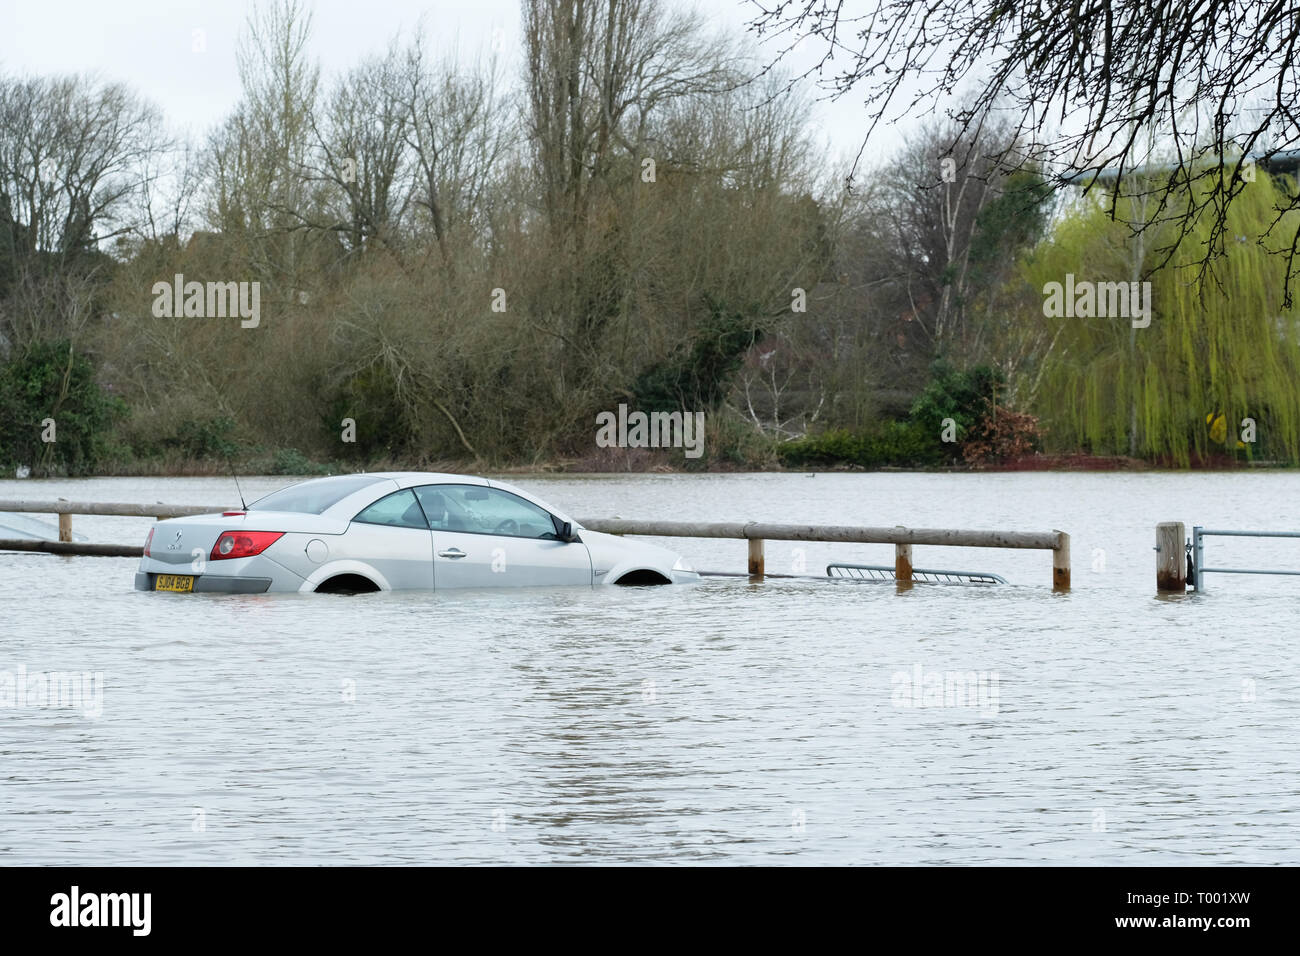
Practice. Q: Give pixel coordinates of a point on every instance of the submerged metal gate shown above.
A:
(1198, 553)
(882, 572)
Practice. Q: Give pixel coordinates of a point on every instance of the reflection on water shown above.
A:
(728, 722)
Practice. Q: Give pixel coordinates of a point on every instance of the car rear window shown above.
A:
(314, 496)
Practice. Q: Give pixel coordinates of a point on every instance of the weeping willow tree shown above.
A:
(1219, 348)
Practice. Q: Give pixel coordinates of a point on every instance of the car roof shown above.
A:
(407, 479)
(410, 479)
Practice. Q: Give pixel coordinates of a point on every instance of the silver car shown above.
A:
(394, 531)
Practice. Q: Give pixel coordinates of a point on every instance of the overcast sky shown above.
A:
(181, 53)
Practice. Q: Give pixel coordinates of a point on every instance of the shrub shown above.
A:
(369, 398)
(830, 447)
(963, 396)
(1000, 435)
(696, 378)
(206, 438)
(53, 380)
(900, 444)
(907, 443)
(731, 441)
(290, 461)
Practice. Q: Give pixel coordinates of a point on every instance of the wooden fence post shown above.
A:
(1171, 565)
(903, 563)
(756, 557)
(1061, 563)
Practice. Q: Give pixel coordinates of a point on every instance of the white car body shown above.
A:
(394, 531)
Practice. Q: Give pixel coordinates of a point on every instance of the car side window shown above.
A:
(398, 510)
(479, 510)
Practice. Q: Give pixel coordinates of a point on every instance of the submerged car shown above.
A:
(394, 531)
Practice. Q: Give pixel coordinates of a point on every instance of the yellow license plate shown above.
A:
(174, 582)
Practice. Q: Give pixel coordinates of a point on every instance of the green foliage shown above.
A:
(54, 380)
(698, 378)
(963, 396)
(370, 399)
(1220, 343)
(290, 461)
(896, 443)
(1014, 219)
(985, 433)
(204, 439)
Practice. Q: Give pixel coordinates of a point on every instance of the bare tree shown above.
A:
(76, 161)
(257, 189)
(170, 185)
(1105, 69)
(458, 136)
(73, 158)
(598, 70)
(930, 213)
(361, 154)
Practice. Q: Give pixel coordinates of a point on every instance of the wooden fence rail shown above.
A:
(755, 532)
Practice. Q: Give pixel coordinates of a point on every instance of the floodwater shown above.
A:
(787, 721)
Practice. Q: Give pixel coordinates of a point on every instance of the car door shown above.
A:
(485, 537)
(392, 535)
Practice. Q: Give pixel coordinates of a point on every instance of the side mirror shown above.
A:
(566, 533)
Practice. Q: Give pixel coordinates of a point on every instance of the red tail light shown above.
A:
(243, 544)
(148, 541)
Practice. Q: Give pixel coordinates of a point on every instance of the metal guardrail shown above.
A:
(883, 572)
(1198, 553)
(755, 532)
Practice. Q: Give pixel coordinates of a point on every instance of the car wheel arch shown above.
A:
(348, 582)
(337, 569)
(636, 576)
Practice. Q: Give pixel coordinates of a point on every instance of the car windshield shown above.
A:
(313, 497)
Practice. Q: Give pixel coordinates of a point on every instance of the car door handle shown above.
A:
(452, 553)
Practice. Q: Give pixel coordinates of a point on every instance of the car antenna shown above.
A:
(231, 464)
